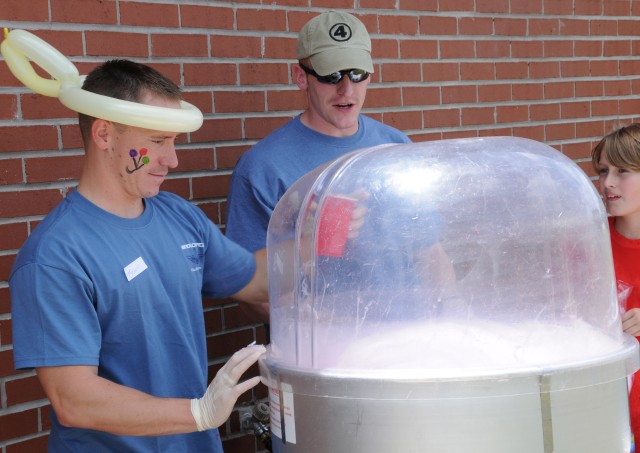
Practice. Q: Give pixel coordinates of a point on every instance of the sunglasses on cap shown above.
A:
(355, 75)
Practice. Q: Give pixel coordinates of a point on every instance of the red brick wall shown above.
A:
(561, 72)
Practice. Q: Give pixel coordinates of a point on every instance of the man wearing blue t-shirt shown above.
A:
(107, 291)
(334, 68)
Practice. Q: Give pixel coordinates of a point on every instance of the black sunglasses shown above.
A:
(355, 75)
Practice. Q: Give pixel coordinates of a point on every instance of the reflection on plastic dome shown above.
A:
(442, 259)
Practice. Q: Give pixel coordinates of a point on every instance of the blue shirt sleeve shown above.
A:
(44, 334)
(228, 267)
(248, 213)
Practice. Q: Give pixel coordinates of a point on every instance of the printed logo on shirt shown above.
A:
(194, 253)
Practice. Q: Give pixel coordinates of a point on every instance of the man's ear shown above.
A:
(299, 76)
(101, 132)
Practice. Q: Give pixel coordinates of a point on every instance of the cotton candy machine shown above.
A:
(446, 297)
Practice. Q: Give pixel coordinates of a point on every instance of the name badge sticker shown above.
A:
(135, 268)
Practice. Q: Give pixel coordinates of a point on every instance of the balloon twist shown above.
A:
(20, 47)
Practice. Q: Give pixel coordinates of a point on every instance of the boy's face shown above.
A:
(620, 189)
(333, 109)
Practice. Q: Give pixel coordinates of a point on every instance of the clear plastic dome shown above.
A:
(443, 259)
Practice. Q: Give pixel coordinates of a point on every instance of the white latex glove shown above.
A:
(213, 409)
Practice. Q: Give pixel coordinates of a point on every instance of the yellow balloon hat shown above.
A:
(20, 47)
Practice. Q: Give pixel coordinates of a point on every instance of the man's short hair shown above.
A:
(126, 80)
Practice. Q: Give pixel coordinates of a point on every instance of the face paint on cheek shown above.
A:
(139, 159)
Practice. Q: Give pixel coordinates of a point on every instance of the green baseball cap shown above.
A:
(335, 41)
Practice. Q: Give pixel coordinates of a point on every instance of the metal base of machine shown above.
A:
(535, 413)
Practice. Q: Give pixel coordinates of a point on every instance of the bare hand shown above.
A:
(631, 322)
(358, 214)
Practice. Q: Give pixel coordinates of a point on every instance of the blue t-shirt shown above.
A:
(265, 172)
(125, 295)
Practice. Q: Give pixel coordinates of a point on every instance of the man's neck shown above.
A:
(322, 127)
(125, 207)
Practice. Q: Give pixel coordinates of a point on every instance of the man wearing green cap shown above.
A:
(334, 68)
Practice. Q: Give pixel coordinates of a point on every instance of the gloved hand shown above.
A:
(213, 409)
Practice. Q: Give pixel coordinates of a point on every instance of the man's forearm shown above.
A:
(82, 399)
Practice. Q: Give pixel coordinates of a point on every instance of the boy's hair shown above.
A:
(126, 80)
(621, 148)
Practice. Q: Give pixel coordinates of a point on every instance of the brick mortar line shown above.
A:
(277, 33)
